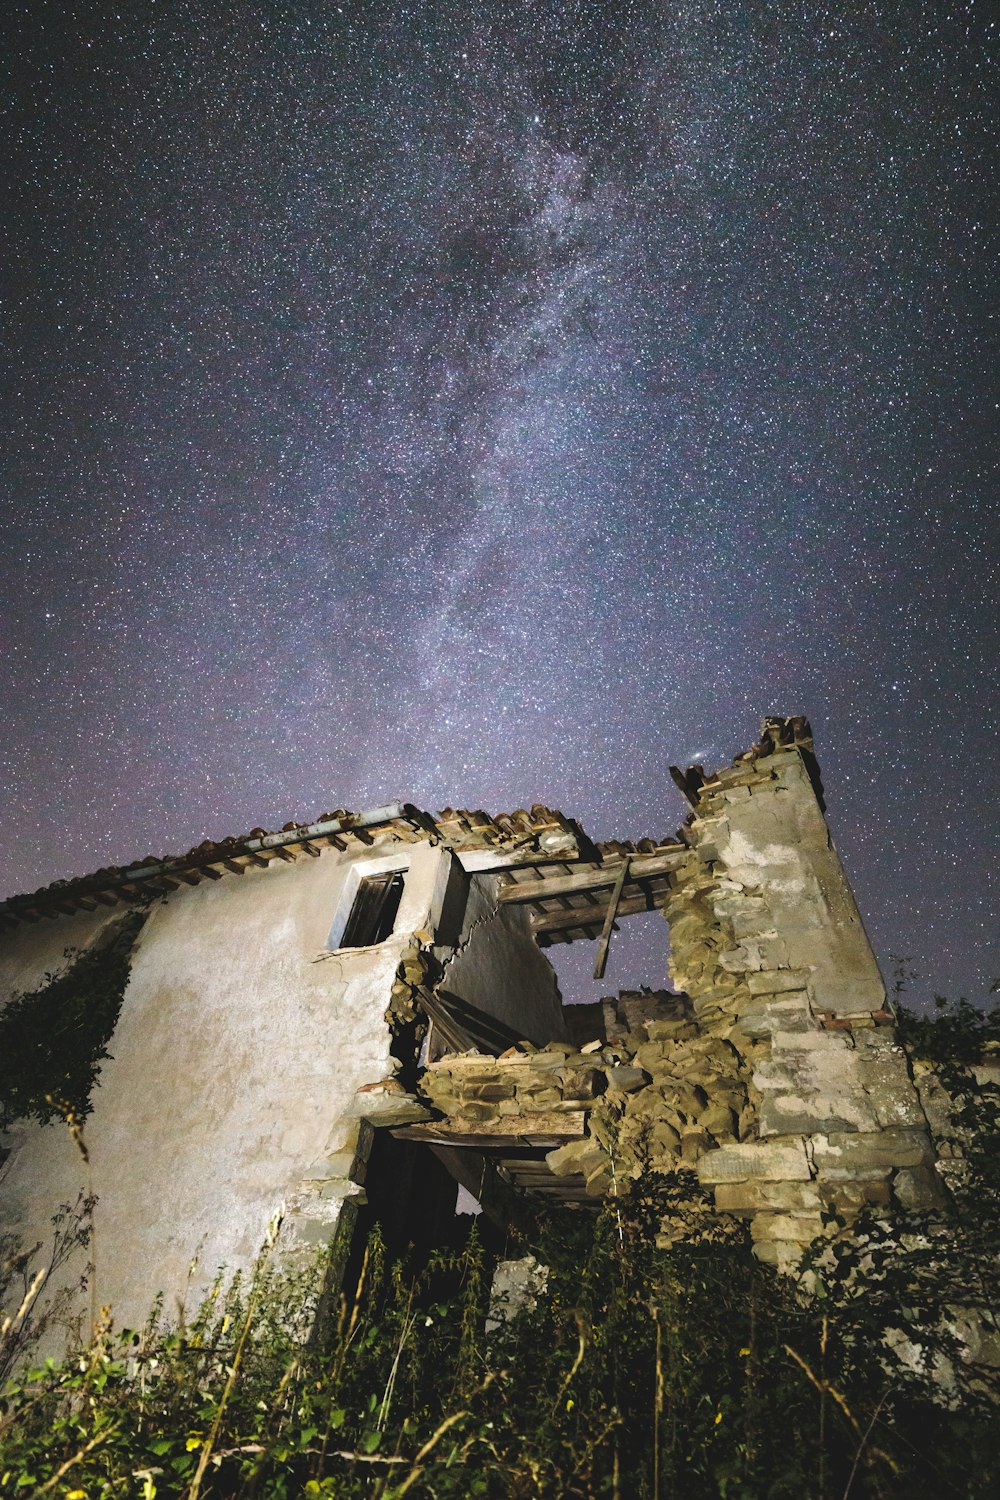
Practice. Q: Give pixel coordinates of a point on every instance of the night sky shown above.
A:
(493, 404)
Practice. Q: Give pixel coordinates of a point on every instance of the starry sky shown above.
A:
(493, 404)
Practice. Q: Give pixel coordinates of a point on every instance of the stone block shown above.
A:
(777, 981)
(918, 1188)
(850, 1197)
(490, 1091)
(578, 1082)
(774, 1197)
(470, 1109)
(809, 1041)
(771, 1161)
(599, 1181)
(687, 1101)
(583, 1156)
(840, 1154)
(554, 1055)
(668, 1031)
(626, 1080)
(806, 1114)
(887, 1079)
(760, 1017)
(718, 1120)
(664, 1138)
(800, 1229)
(653, 1056)
(539, 1098)
(750, 918)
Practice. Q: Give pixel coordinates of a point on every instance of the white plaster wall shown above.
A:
(500, 968)
(33, 949)
(234, 1068)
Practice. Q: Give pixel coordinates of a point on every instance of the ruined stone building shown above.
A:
(354, 1016)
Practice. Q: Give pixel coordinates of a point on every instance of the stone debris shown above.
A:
(773, 1070)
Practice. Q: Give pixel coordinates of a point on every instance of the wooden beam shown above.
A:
(545, 1128)
(585, 917)
(604, 942)
(594, 878)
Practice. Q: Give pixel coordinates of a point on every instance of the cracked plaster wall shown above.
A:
(499, 968)
(232, 1085)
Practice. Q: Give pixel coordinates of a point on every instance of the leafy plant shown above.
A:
(53, 1039)
(653, 1362)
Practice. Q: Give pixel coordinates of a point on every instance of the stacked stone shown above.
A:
(475, 1089)
(659, 1093)
(777, 1075)
(766, 938)
(672, 1091)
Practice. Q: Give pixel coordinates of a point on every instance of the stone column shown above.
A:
(767, 940)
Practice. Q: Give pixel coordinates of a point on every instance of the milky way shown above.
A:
(492, 405)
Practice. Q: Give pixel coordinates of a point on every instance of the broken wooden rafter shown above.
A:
(547, 1128)
(594, 878)
(547, 923)
(614, 903)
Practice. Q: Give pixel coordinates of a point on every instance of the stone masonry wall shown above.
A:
(775, 1071)
(768, 942)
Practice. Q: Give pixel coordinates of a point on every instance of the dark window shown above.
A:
(374, 911)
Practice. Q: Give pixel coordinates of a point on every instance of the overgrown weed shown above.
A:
(641, 1370)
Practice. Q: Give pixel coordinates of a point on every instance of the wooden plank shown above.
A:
(550, 922)
(546, 1128)
(604, 942)
(595, 878)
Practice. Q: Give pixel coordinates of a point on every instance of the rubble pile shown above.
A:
(774, 1071)
(474, 1089)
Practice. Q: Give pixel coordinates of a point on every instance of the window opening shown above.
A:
(373, 914)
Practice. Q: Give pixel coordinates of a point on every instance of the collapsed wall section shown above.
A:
(775, 1071)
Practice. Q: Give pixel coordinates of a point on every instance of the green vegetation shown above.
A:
(640, 1372)
(53, 1039)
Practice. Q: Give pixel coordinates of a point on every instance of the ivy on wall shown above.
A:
(53, 1039)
